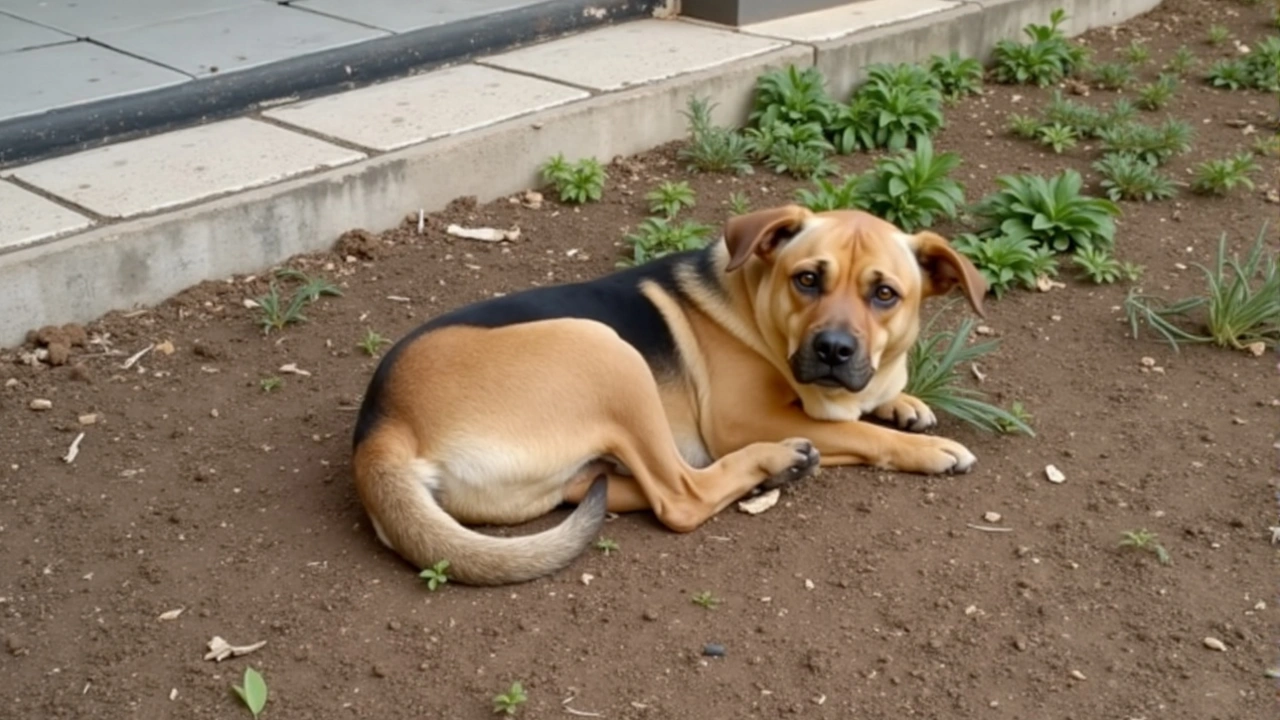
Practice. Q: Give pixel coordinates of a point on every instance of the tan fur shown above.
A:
(503, 424)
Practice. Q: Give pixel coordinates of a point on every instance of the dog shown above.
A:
(677, 386)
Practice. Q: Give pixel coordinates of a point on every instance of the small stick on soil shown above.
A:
(422, 220)
(988, 528)
(134, 358)
(581, 713)
(74, 450)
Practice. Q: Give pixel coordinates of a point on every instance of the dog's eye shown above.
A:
(806, 280)
(885, 295)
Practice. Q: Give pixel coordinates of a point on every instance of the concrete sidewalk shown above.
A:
(135, 222)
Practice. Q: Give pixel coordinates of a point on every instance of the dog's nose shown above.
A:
(834, 347)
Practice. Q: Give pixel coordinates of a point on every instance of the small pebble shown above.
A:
(650, 615)
(992, 517)
(41, 404)
(1078, 675)
(713, 650)
(89, 419)
(1147, 362)
(1214, 643)
(1054, 475)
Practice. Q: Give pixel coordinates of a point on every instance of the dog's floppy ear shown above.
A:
(761, 232)
(944, 268)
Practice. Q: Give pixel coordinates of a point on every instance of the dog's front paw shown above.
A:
(933, 456)
(797, 459)
(908, 413)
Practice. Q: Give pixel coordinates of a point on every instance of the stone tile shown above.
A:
(406, 15)
(86, 18)
(16, 34)
(73, 73)
(846, 19)
(633, 53)
(29, 218)
(237, 38)
(180, 167)
(404, 112)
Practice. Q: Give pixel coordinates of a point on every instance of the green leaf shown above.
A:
(253, 692)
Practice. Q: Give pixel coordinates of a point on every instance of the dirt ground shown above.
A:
(863, 594)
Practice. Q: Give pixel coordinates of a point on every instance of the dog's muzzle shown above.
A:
(832, 358)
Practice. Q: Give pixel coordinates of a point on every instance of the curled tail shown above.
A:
(395, 488)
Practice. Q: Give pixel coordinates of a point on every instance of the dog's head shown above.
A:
(841, 291)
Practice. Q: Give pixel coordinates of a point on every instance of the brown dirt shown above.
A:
(197, 489)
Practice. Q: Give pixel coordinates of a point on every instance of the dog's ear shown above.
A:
(944, 268)
(761, 232)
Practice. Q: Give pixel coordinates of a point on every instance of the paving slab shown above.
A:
(84, 18)
(407, 15)
(71, 74)
(633, 54)
(28, 218)
(176, 168)
(444, 102)
(18, 34)
(236, 38)
(846, 19)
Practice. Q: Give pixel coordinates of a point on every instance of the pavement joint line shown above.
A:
(332, 140)
(135, 56)
(98, 219)
(119, 263)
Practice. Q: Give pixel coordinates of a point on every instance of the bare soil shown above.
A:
(863, 594)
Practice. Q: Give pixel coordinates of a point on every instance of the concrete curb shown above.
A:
(144, 261)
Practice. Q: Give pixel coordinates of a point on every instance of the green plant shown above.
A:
(312, 288)
(897, 115)
(1146, 542)
(577, 183)
(1122, 111)
(270, 384)
(275, 313)
(1024, 126)
(606, 546)
(670, 198)
(1156, 95)
(1057, 136)
(436, 576)
(791, 96)
(800, 150)
(1217, 34)
(371, 342)
(955, 76)
(933, 377)
(253, 693)
(1221, 176)
(739, 203)
(1263, 64)
(1045, 60)
(656, 237)
(1138, 53)
(509, 702)
(1113, 75)
(1007, 261)
(910, 188)
(827, 195)
(799, 161)
(1182, 62)
(1102, 268)
(1267, 145)
(1020, 413)
(712, 148)
(1230, 74)
(1242, 302)
(1084, 119)
(1152, 145)
(706, 600)
(1125, 177)
(1050, 211)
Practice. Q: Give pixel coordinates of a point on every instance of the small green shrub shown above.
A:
(656, 237)
(1007, 261)
(1156, 95)
(1113, 75)
(738, 203)
(799, 150)
(509, 702)
(1231, 74)
(1050, 211)
(1145, 541)
(670, 198)
(1223, 175)
(955, 76)
(1046, 59)
(910, 188)
(712, 148)
(1102, 268)
(1024, 126)
(1182, 62)
(828, 195)
(1138, 53)
(791, 96)
(1125, 177)
(1152, 145)
(253, 693)
(577, 183)
(436, 576)
(1058, 137)
(276, 313)
(1217, 34)
(898, 115)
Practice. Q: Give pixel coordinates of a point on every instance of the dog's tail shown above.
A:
(397, 491)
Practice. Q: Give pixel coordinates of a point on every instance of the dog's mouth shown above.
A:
(852, 376)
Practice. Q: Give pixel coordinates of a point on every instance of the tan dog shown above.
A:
(677, 386)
